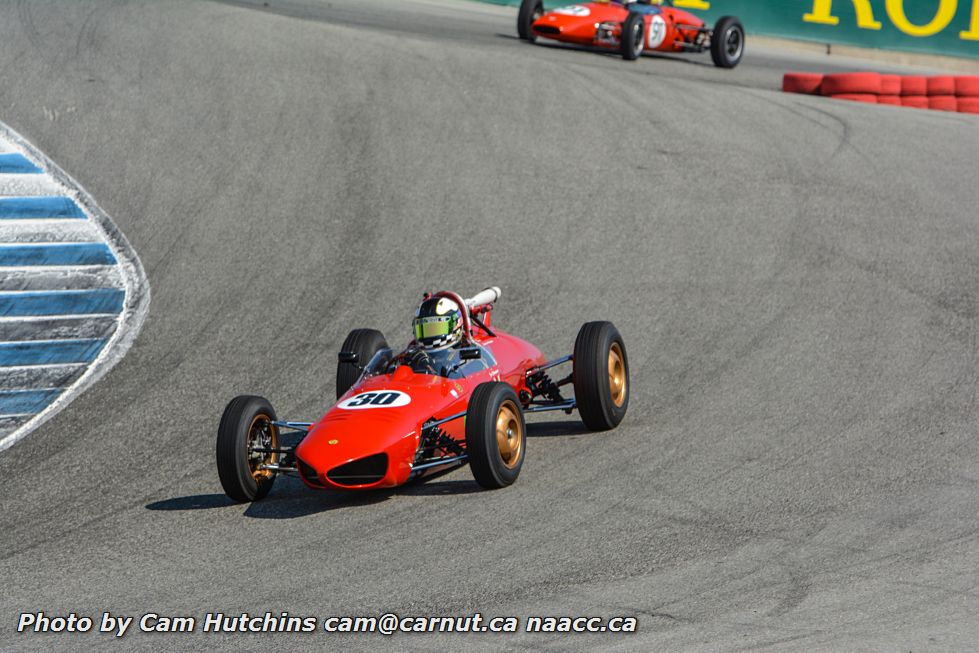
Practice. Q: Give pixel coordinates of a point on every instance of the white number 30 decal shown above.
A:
(376, 399)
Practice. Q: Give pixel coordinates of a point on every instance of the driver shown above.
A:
(437, 323)
(438, 331)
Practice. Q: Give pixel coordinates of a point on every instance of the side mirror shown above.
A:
(348, 357)
(470, 354)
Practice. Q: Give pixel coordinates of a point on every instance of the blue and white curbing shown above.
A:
(73, 294)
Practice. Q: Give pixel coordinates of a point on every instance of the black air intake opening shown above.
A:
(547, 29)
(309, 474)
(363, 471)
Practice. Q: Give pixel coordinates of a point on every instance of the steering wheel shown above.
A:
(420, 360)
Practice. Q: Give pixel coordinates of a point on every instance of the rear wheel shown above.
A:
(727, 42)
(245, 436)
(530, 10)
(600, 376)
(633, 33)
(365, 343)
(496, 436)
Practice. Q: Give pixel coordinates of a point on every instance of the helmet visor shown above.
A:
(434, 327)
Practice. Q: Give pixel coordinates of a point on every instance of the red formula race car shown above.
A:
(632, 27)
(456, 394)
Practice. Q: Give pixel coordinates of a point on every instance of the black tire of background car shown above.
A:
(232, 448)
(633, 36)
(482, 446)
(530, 10)
(365, 343)
(719, 39)
(592, 389)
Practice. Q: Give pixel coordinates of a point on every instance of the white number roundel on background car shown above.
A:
(573, 10)
(375, 399)
(657, 31)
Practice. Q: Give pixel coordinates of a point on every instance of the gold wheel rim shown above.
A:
(509, 434)
(262, 434)
(616, 374)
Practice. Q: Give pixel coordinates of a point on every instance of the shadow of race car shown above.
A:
(632, 28)
(426, 410)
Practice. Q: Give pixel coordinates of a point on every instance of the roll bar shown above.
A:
(484, 297)
(481, 298)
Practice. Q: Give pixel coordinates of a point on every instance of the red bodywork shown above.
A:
(344, 435)
(667, 29)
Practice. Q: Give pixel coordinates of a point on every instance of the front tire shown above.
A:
(600, 376)
(365, 343)
(530, 10)
(246, 425)
(496, 435)
(633, 37)
(727, 42)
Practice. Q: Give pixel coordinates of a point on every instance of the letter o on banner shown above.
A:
(944, 16)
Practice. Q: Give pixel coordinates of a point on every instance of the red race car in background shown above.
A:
(632, 27)
(408, 416)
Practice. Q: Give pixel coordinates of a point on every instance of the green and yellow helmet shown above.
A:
(438, 323)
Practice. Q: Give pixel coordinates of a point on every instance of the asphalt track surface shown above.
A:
(795, 279)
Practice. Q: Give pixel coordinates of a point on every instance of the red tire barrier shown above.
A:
(851, 83)
(967, 86)
(942, 102)
(808, 83)
(869, 98)
(941, 85)
(914, 85)
(939, 92)
(890, 84)
(916, 101)
(967, 105)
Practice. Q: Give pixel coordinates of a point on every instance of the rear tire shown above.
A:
(365, 343)
(600, 376)
(530, 10)
(246, 423)
(633, 37)
(727, 42)
(496, 436)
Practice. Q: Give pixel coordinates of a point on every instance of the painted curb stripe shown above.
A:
(73, 293)
(61, 302)
(57, 254)
(17, 163)
(32, 377)
(62, 277)
(56, 327)
(25, 208)
(27, 401)
(48, 231)
(14, 185)
(10, 422)
(49, 352)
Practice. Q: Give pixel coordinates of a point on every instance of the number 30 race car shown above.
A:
(456, 394)
(631, 27)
